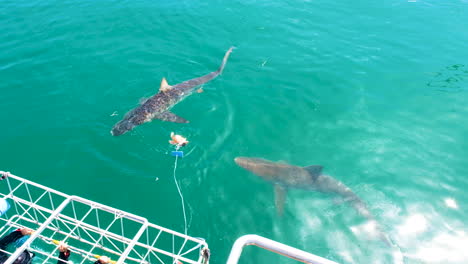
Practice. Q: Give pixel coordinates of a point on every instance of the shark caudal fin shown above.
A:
(226, 56)
(314, 171)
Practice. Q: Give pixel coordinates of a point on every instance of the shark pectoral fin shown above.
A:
(341, 200)
(143, 100)
(280, 198)
(314, 171)
(171, 117)
(164, 85)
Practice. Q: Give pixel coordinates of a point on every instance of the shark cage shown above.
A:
(90, 229)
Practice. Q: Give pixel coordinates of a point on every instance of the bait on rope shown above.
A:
(178, 141)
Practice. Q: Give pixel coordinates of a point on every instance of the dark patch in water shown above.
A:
(451, 79)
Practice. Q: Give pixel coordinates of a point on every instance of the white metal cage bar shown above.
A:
(273, 246)
(91, 229)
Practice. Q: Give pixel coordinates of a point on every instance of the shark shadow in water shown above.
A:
(285, 176)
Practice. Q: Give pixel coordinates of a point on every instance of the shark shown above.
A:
(285, 176)
(159, 105)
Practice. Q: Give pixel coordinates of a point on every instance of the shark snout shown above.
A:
(250, 164)
(117, 131)
(242, 162)
(122, 127)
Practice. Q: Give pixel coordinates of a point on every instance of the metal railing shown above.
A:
(273, 246)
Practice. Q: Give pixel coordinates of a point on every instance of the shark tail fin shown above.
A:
(314, 171)
(226, 56)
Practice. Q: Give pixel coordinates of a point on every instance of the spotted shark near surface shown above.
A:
(285, 176)
(159, 105)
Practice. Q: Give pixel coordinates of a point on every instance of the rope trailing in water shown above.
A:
(180, 192)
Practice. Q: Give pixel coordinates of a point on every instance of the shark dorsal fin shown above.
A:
(164, 85)
(314, 171)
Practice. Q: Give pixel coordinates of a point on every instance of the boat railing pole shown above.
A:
(273, 246)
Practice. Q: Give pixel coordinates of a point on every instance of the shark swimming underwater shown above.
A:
(159, 105)
(285, 176)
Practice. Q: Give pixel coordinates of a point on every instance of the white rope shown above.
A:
(181, 196)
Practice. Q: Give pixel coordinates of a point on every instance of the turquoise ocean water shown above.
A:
(375, 91)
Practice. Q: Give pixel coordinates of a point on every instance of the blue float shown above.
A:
(177, 153)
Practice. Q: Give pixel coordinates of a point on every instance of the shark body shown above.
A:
(159, 105)
(284, 176)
